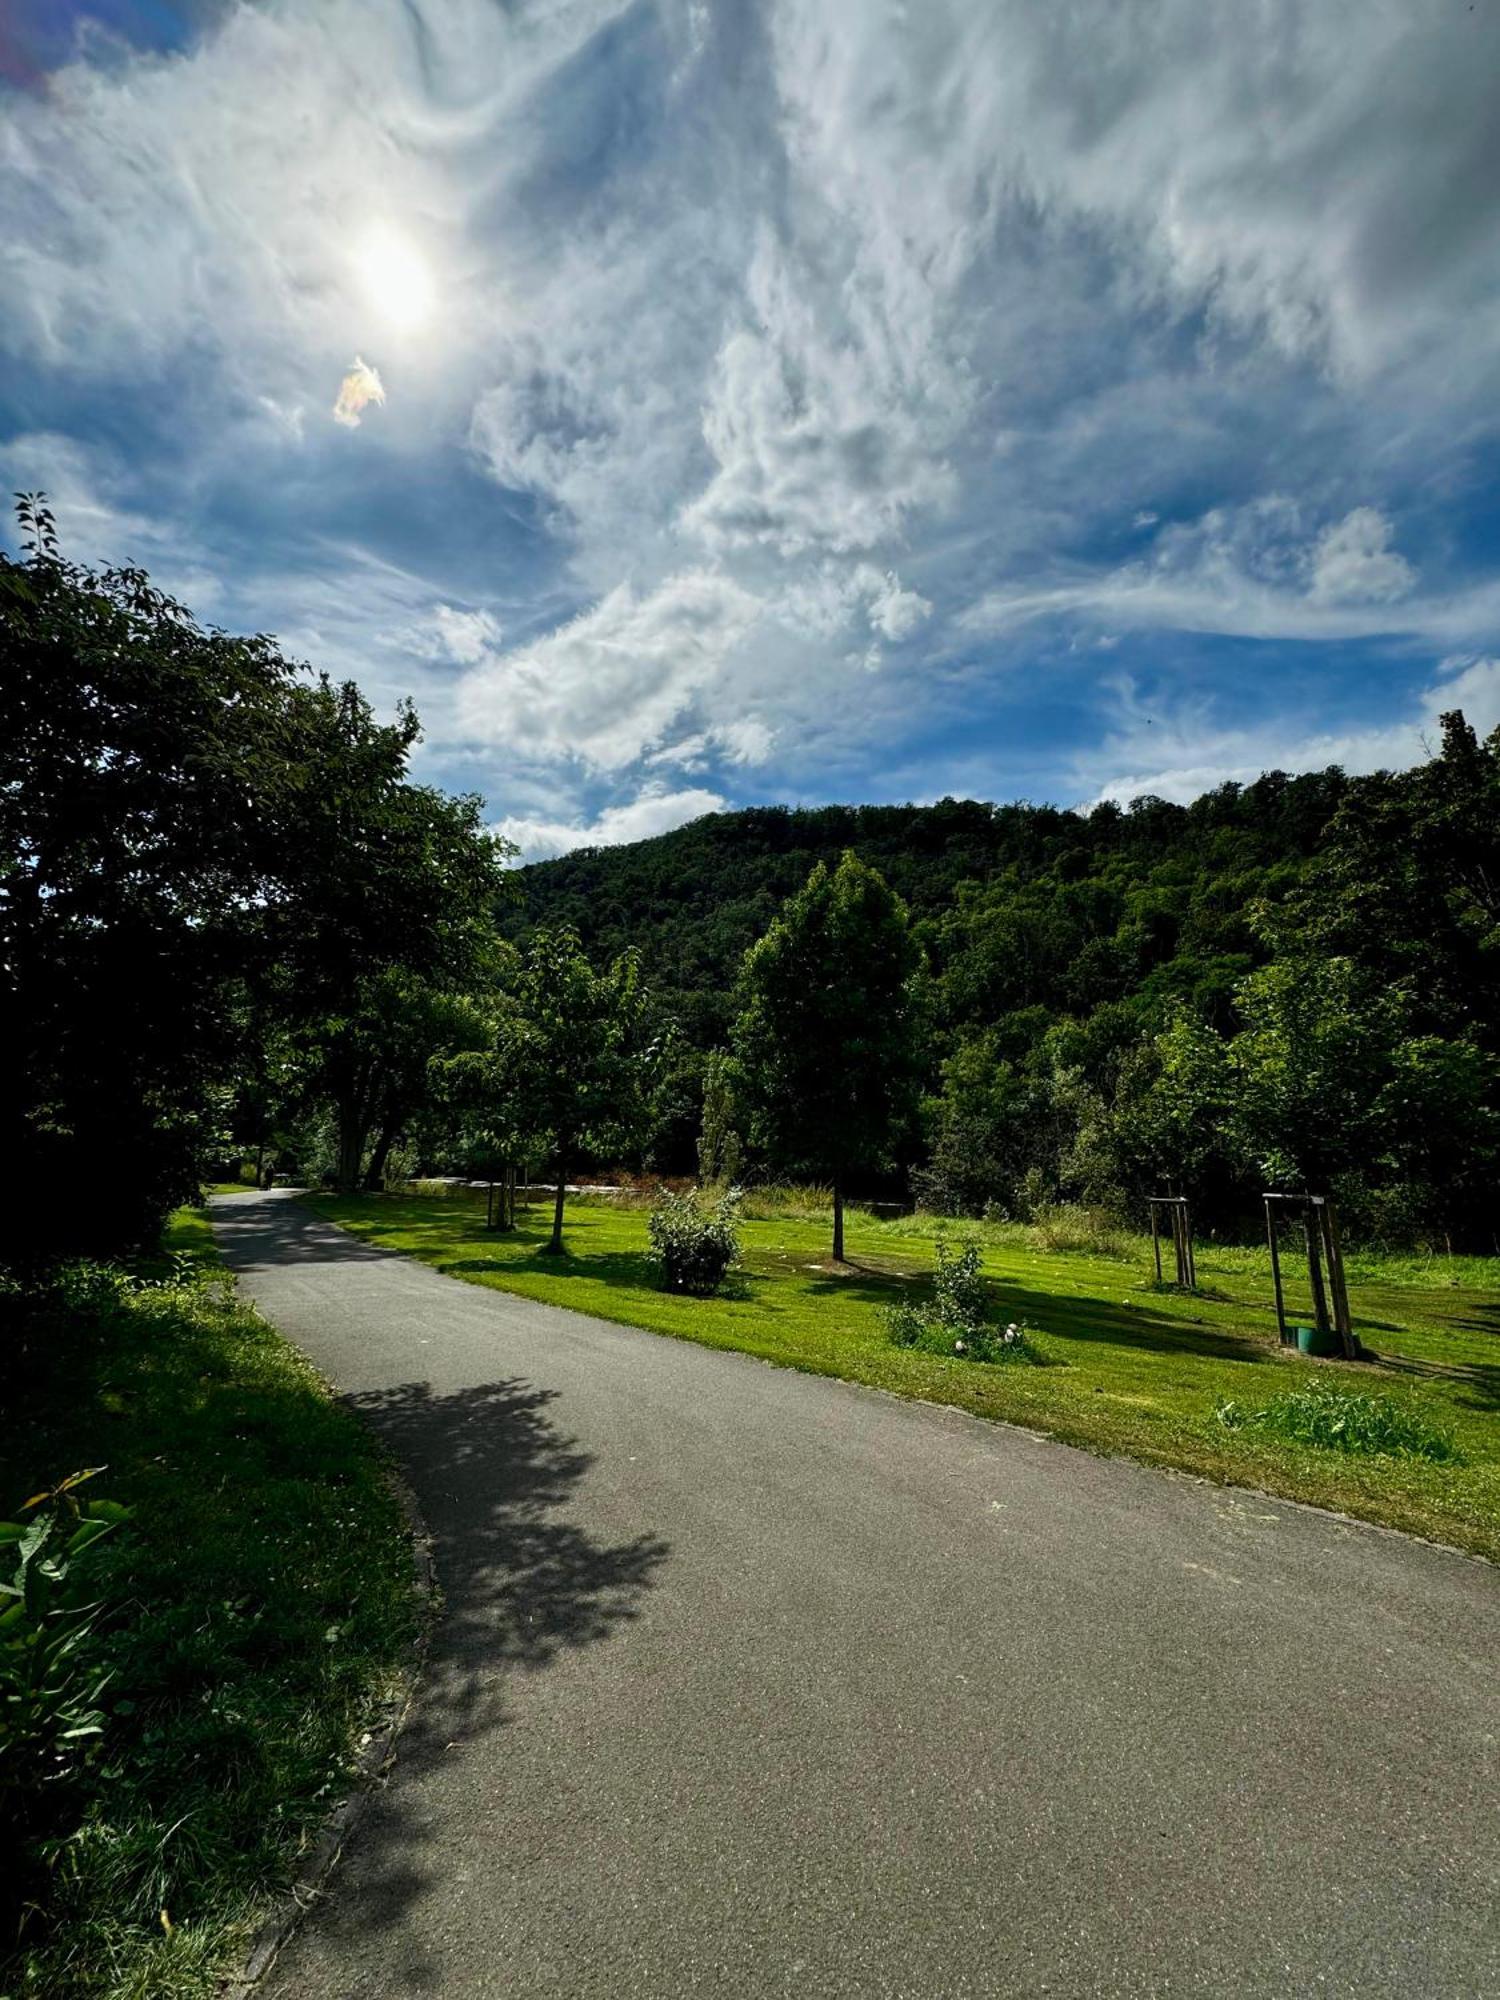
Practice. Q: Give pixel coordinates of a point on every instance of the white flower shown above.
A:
(959, 1348)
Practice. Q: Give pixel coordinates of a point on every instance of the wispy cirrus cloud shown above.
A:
(768, 383)
(1177, 749)
(1257, 573)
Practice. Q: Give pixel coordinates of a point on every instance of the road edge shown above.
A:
(372, 1768)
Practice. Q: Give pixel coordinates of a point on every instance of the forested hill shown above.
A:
(1287, 983)
(1093, 903)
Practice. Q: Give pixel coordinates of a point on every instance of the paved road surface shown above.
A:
(756, 1684)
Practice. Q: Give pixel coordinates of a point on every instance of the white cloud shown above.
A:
(652, 811)
(862, 315)
(1354, 562)
(467, 636)
(1255, 572)
(1179, 750)
(894, 612)
(747, 741)
(609, 686)
(821, 441)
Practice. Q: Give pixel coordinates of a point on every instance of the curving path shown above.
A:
(751, 1683)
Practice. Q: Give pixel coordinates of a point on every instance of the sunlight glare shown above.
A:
(395, 279)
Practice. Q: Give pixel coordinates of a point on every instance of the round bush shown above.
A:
(695, 1245)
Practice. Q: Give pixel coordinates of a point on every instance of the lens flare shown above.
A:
(359, 388)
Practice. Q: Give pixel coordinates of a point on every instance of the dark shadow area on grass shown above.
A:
(624, 1270)
(1070, 1318)
(520, 1584)
(1476, 1383)
(628, 1268)
(858, 1281)
(1126, 1326)
(1484, 1318)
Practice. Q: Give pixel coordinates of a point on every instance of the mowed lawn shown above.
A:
(1131, 1369)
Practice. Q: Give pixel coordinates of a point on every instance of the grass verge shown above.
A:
(257, 1612)
(1134, 1370)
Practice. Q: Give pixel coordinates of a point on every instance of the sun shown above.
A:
(395, 278)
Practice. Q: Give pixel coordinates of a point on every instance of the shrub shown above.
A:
(958, 1288)
(48, 1715)
(956, 1323)
(1338, 1420)
(51, 1676)
(696, 1245)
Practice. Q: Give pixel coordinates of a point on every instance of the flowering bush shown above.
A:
(956, 1321)
(695, 1245)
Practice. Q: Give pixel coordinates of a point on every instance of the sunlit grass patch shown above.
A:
(1130, 1369)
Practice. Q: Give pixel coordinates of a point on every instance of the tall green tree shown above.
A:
(144, 788)
(572, 1062)
(827, 1033)
(720, 1148)
(387, 919)
(1328, 1085)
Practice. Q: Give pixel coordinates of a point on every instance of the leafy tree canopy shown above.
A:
(826, 1038)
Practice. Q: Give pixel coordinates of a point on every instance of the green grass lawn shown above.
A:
(257, 1611)
(1133, 1370)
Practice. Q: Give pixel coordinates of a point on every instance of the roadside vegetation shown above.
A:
(214, 1659)
(1127, 1367)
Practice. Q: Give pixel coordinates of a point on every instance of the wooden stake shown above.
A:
(1315, 1262)
(1276, 1269)
(1334, 1250)
(1187, 1244)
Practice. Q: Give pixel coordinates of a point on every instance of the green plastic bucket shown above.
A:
(1310, 1341)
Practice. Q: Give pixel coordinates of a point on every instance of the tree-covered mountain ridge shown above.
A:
(1092, 971)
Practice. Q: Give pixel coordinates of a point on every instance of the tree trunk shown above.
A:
(354, 1100)
(500, 1207)
(838, 1222)
(351, 1148)
(555, 1246)
(375, 1176)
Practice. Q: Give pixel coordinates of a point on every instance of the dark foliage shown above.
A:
(212, 866)
(1105, 1021)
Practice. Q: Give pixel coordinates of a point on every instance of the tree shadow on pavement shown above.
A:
(519, 1585)
(273, 1230)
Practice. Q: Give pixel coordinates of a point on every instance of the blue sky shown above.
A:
(693, 404)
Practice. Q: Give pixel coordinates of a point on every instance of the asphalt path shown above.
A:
(751, 1683)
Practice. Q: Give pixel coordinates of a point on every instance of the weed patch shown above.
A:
(1334, 1420)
